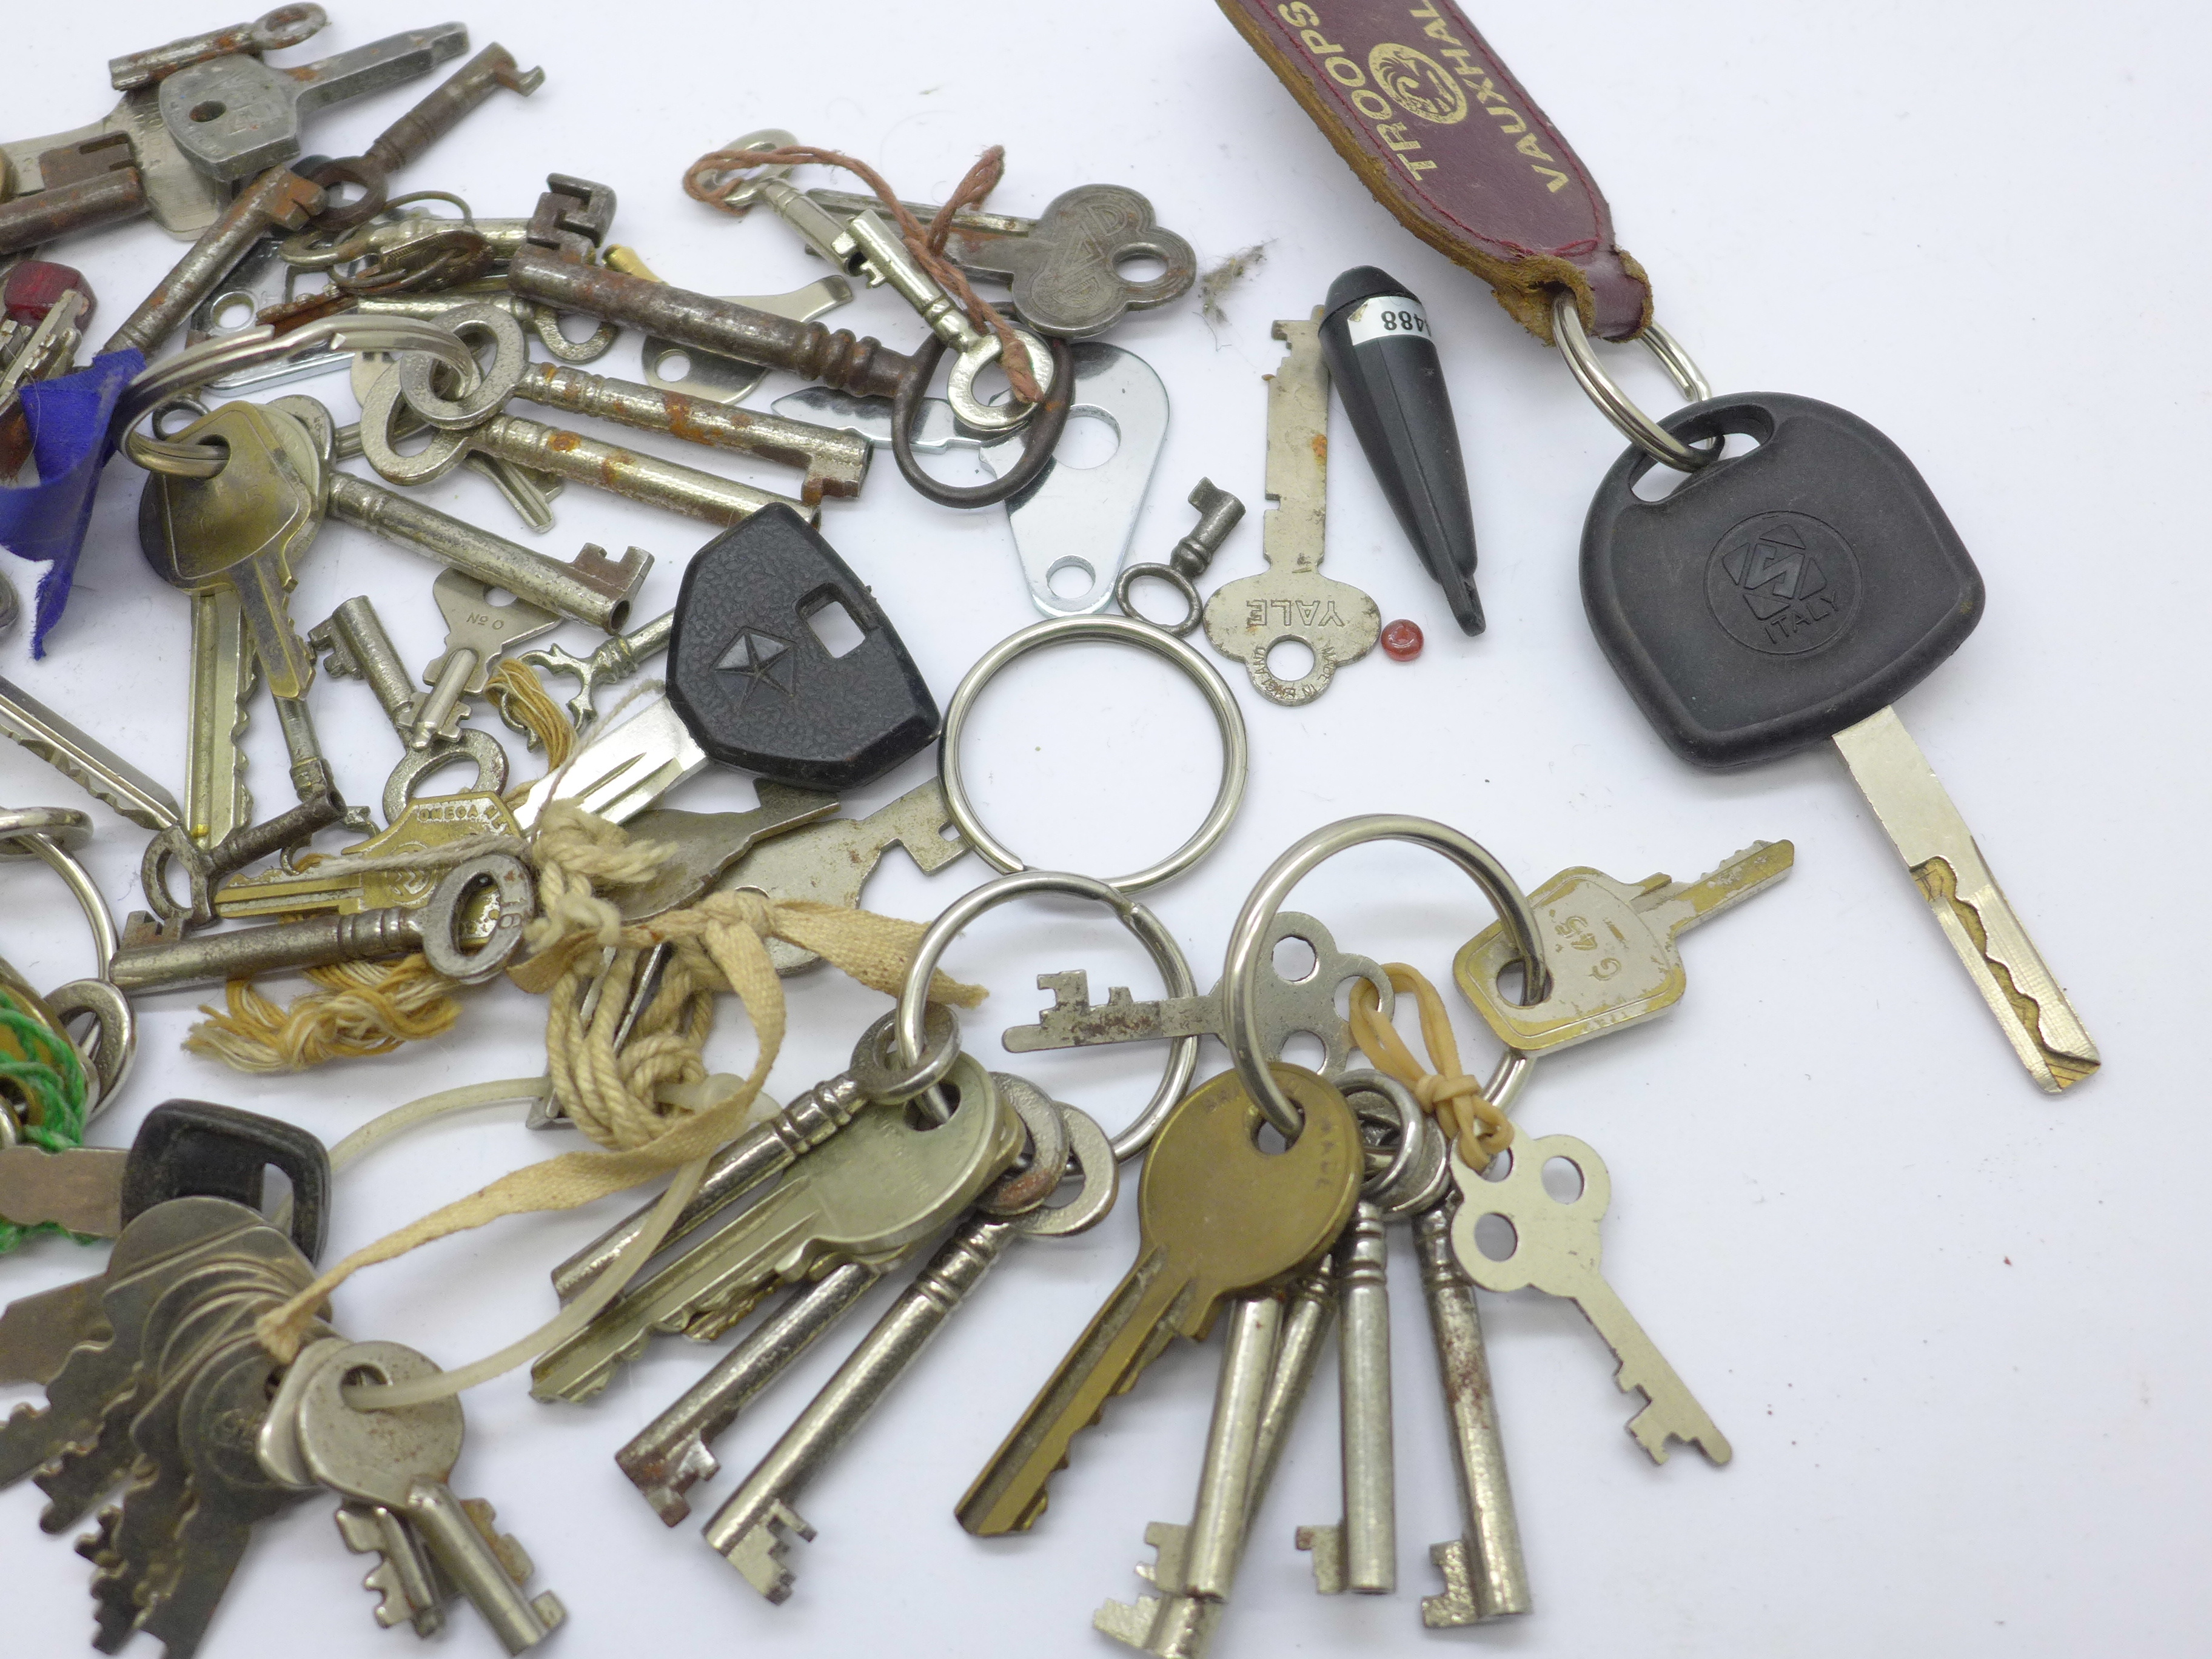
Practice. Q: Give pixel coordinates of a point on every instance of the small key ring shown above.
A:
(1236, 750)
(1046, 424)
(1132, 574)
(960, 384)
(871, 1068)
(197, 367)
(1093, 1154)
(1616, 405)
(1027, 1185)
(1240, 981)
(741, 200)
(484, 392)
(52, 834)
(1166, 954)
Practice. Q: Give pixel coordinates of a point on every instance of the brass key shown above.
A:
(1219, 1217)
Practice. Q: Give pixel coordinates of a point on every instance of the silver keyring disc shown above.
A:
(1235, 752)
(1091, 1152)
(1166, 954)
(1019, 1191)
(378, 411)
(483, 390)
(1239, 975)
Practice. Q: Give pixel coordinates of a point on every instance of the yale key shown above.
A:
(1793, 594)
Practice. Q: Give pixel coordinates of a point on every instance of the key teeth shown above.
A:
(1127, 1622)
(1652, 1431)
(759, 1551)
(1454, 1606)
(1326, 1545)
(364, 1536)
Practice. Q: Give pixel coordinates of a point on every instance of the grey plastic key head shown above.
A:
(378, 1455)
(1555, 1241)
(1775, 598)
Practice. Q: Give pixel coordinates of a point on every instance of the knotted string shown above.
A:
(579, 856)
(1455, 1100)
(720, 174)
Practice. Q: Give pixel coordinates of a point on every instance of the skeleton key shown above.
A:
(244, 529)
(614, 660)
(830, 862)
(1248, 618)
(1610, 947)
(1219, 1217)
(1360, 1552)
(1287, 1006)
(878, 1187)
(1064, 264)
(1174, 1624)
(477, 631)
(1556, 1249)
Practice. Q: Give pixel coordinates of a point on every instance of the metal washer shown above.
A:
(1113, 630)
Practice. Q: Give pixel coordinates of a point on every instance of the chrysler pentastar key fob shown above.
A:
(757, 685)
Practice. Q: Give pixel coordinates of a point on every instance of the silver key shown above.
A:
(830, 862)
(403, 1459)
(1485, 1575)
(477, 632)
(102, 773)
(613, 659)
(702, 846)
(1556, 1249)
(879, 1188)
(1291, 600)
(621, 769)
(1063, 266)
(1174, 1624)
(224, 672)
(1609, 946)
(235, 115)
(1360, 1552)
(753, 1529)
(1287, 1006)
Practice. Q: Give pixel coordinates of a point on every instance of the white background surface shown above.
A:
(1953, 1327)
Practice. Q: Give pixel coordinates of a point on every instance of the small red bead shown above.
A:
(33, 286)
(1402, 639)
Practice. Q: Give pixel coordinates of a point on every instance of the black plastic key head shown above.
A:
(753, 682)
(196, 1149)
(1777, 597)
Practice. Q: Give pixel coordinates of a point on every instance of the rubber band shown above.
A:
(1455, 1100)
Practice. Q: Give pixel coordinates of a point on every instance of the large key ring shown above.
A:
(252, 348)
(52, 834)
(1240, 983)
(1617, 406)
(1166, 954)
(1235, 751)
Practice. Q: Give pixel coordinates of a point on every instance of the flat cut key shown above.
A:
(1556, 1249)
(1306, 1003)
(705, 845)
(1610, 946)
(1219, 1218)
(873, 1191)
(1789, 597)
(1291, 600)
(477, 631)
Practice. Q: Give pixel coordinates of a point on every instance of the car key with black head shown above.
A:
(759, 688)
(1789, 596)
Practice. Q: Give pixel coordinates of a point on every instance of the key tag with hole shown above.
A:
(754, 680)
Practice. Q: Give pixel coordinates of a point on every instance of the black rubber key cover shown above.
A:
(756, 687)
(196, 1149)
(1777, 596)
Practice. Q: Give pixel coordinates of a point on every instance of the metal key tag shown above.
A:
(757, 687)
(1776, 597)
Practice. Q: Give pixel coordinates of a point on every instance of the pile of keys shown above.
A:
(1772, 602)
